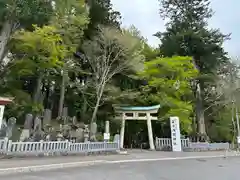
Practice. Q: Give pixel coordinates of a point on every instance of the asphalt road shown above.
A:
(189, 169)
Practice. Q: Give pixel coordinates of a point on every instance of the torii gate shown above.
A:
(136, 113)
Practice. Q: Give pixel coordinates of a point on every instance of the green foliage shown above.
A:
(70, 19)
(25, 12)
(187, 33)
(221, 129)
(177, 41)
(35, 54)
(101, 12)
(22, 103)
(193, 11)
(39, 50)
(169, 84)
(150, 53)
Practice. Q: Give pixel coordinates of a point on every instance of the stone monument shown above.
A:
(27, 128)
(10, 125)
(47, 117)
(37, 134)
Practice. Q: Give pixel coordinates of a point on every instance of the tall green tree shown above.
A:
(70, 19)
(187, 34)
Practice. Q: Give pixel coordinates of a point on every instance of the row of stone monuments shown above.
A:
(43, 128)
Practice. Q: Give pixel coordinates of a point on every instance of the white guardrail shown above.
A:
(55, 147)
(187, 145)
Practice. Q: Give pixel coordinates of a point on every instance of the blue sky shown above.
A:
(144, 15)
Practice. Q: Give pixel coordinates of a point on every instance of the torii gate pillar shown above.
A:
(135, 113)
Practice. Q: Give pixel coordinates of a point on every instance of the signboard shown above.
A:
(106, 136)
(175, 134)
(1, 115)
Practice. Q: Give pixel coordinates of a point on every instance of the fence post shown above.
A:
(68, 147)
(9, 146)
(104, 146)
(41, 146)
(5, 145)
(118, 144)
(88, 146)
(156, 143)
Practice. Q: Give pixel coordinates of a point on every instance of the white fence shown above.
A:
(55, 147)
(201, 146)
(165, 144)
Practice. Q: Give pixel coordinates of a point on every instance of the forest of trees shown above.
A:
(75, 54)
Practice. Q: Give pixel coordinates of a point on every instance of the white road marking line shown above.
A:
(165, 159)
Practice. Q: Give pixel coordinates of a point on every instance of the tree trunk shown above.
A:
(99, 97)
(38, 89)
(95, 110)
(4, 38)
(47, 96)
(194, 128)
(62, 93)
(83, 111)
(94, 115)
(200, 114)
